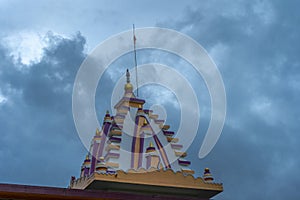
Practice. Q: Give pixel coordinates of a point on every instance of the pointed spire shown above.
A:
(151, 144)
(152, 158)
(85, 168)
(87, 158)
(145, 122)
(98, 132)
(128, 86)
(150, 148)
(107, 117)
(207, 175)
(127, 76)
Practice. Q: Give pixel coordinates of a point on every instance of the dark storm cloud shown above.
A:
(38, 135)
(257, 48)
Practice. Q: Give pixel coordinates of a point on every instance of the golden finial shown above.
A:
(145, 122)
(97, 132)
(151, 144)
(107, 112)
(128, 86)
(87, 157)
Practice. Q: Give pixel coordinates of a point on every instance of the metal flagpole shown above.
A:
(136, 74)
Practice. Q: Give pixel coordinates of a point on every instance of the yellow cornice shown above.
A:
(163, 178)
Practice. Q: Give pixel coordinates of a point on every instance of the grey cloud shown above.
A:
(256, 157)
(37, 132)
(258, 148)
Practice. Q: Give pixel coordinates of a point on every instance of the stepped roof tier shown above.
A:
(129, 154)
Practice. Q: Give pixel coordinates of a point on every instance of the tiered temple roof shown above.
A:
(132, 147)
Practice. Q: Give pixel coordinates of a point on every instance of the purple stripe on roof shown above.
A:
(115, 139)
(132, 152)
(104, 136)
(137, 100)
(169, 133)
(161, 151)
(109, 171)
(116, 126)
(150, 148)
(134, 141)
(86, 171)
(184, 162)
(94, 155)
(141, 150)
(148, 111)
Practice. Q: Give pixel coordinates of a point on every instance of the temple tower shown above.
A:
(109, 143)
(136, 152)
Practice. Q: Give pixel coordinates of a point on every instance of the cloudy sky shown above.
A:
(255, 45)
